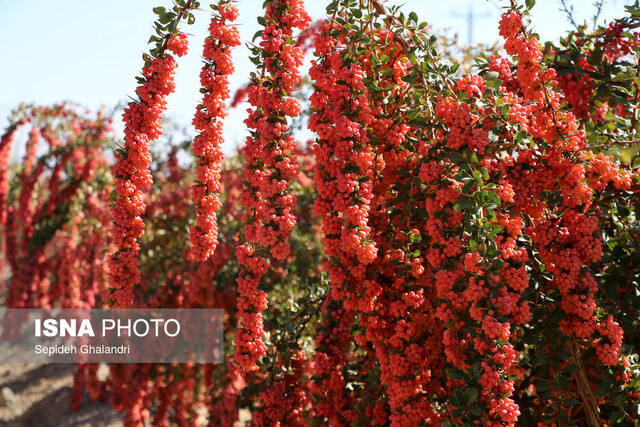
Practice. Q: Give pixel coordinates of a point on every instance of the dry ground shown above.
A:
(42, 395)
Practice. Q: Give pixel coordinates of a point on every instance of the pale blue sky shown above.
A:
(88, 51)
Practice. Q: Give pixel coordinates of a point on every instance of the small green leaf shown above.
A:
(475, 410)
(454, 374)
(457, 158)
(491, 75)
(470, 395)
(570, 403)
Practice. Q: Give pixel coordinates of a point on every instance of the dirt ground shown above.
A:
(42, 394)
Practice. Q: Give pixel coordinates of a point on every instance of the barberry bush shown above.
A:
(454, 245)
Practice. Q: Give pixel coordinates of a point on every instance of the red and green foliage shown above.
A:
(449, 249)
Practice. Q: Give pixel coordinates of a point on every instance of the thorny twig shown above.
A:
(568, 10)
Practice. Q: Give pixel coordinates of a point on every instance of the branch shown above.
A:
(590, 405)
(168, 36)
(599, 5)
(610, 145)
(390, 20)
(568, 10)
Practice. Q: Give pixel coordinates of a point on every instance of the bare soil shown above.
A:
(42, 396)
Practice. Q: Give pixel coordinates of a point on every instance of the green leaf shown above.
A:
(596, 56)
(475, 410)
(470, 395)
(456, 158)
(173, 26)
(571, 369)
(466, 189)
(455, 402)
(463, 204)
(419, 122)
(491, 75)
(454, 373)
(404, 173)
(570, 403)
(410, 78)
(622, 76)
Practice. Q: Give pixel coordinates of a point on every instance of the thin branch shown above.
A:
(610, 145)
(617, 196)
(599, 4)
(635, 101)
(168, 36)
(568, 10)
(589, 402)
(390, 20)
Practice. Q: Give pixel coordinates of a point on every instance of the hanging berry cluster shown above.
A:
(344, 176)
(345, 169)
(214, 79)
(270, 166)
(131, 171)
